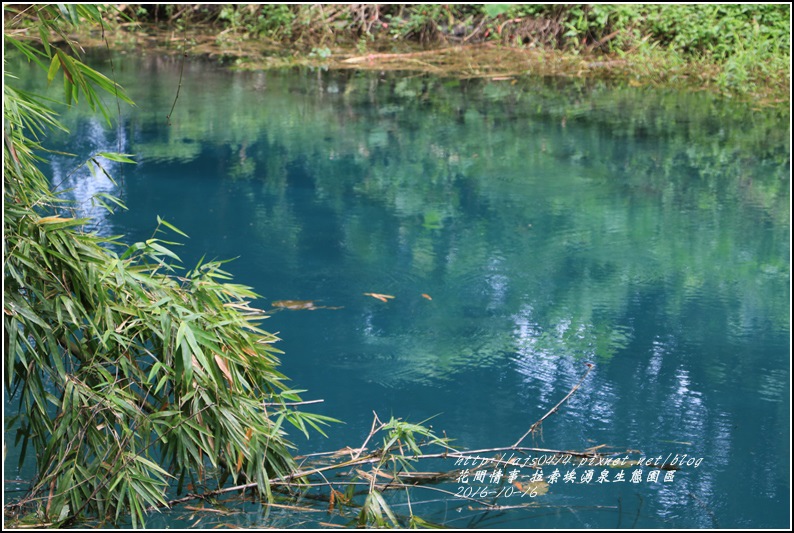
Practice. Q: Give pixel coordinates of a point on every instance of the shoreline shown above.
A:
(496, 61)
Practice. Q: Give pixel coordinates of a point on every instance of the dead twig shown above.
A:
(372, 432)
(602, 42)
(554, 409)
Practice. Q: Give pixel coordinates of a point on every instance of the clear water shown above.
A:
(553, 223)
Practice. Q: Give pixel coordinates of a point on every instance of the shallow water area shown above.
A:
(525, 228)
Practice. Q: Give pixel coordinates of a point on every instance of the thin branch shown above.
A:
(181, 70)
(372, 432)
(554, 409)
(601, 41)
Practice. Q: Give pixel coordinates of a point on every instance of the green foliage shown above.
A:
(77, 77)
(421, 23)
(718, 28)
(750, 41)
(128, 375)
(274, 20)
(714, 29)
(376, 512)
(322, 53)
(403, 444)
(402, 433)
(270, 20)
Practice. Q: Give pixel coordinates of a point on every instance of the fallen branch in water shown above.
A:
(366, 474)
(416, 477)
(389, 57)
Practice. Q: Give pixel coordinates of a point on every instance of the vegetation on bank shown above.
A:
(737, 49)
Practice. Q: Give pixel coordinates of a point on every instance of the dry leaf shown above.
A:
(365, 475)
(239, 461)
(225, 369)
(381, 297)
(533, 488)
(294, 305)
(52, 220)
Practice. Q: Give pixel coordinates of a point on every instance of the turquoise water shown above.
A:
(525, 228)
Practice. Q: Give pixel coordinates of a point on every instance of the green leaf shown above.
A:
(54, 65)
(384, 506)
(64, 513)
(153, 244)
(494, 10)
(170, 226)
(117, 157)
(98, 197)
(32, 54)
(104, 83)
(416, 522)
(45, 40)
(68, 90)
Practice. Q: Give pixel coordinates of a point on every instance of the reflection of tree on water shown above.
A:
(82, 184)
(615, 223)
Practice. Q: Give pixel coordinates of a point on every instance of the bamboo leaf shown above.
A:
(31, 53)
(105, 84)
(151, 243)
(66, 65)
(118, 158)
(224, 369)
(171, 227)
(54, 65)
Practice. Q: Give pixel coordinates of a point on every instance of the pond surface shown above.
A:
(525, 227)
